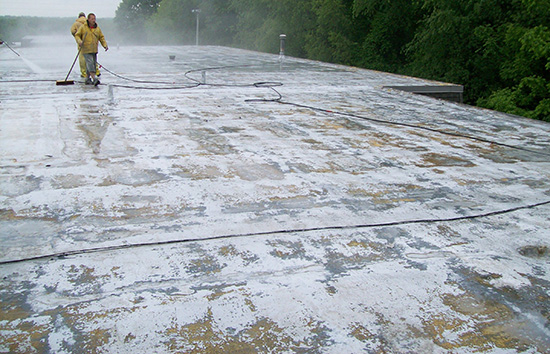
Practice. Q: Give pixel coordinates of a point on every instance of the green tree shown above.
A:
(526, 64)
(173, 23)
(459, 42)
(218, 21)
(386, 28)
(332, 36)
(260, 22)
(131, 16)
(252, 17)
(527, 69)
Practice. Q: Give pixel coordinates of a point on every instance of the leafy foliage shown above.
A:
(386, 27)
(331, 38)
(131, 16)
(525, 64)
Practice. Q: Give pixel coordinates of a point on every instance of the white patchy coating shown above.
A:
(171, 217)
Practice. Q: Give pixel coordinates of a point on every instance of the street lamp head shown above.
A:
(197, 11)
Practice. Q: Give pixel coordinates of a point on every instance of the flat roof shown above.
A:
(230, 201)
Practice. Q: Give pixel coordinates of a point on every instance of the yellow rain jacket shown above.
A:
(77, 24)
(91, 38)
(82, 62)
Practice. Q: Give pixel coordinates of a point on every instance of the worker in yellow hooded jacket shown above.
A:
(88, 37)
(80, 21)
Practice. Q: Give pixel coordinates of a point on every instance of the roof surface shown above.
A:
(228, 201)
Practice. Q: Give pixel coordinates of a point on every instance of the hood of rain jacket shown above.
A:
(77, 24)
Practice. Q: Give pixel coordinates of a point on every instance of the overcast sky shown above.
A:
(58, 8)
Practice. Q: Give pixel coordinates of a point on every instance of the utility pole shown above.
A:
(197, 11)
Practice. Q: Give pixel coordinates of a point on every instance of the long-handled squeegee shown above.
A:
(69, 82)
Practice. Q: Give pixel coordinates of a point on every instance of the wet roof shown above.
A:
(230, 201)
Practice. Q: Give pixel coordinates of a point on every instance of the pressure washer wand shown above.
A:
(3, 42)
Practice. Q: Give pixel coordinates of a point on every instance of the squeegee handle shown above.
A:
(77, 54)
(72, 66)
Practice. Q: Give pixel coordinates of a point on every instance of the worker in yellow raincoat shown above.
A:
(76, 25)
(81, 20)
(88, 37)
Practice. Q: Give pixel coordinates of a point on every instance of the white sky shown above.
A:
(58, 8)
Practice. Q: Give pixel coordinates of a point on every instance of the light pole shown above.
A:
(282, 38)
(197, 11)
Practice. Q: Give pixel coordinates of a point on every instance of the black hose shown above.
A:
(271, 86)
(134, 80)
(156, 88)
(266, 233)
(409, 125)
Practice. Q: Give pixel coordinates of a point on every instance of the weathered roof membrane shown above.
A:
(224, 201)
